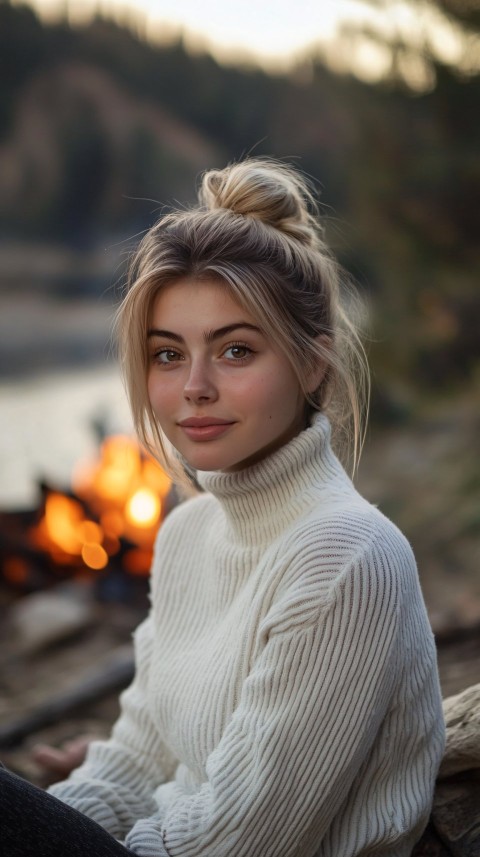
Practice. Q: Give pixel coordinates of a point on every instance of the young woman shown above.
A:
(286, 698)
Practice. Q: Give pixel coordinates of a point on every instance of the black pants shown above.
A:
(33, 823)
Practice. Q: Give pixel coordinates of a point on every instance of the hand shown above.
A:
(60, 761)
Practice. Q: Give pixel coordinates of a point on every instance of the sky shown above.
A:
(277, 33)
(274, 28)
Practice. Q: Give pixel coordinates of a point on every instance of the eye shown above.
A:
(238, 352)
(166, 355)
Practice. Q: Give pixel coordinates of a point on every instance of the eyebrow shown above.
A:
(209, 335)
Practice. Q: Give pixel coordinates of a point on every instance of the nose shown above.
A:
(200, 386)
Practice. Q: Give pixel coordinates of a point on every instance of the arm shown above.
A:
(307, 717)
(115, 784)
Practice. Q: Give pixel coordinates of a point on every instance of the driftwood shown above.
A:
(454, 829)
(113, 675)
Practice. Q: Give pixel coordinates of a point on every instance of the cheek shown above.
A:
(277, 388)
(157, 393)
(152, 390)
(282, 401)
(266, 398)
(260, 392)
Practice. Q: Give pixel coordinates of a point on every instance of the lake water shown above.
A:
(47, 424)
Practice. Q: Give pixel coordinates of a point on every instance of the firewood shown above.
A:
(113, 675)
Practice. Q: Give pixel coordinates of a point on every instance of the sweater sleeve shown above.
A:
(307, 717)
(115, 784)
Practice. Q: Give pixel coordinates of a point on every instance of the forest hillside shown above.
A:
(99, 130)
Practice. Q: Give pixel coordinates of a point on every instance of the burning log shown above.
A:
(115, 674)
(119, 497)
(103, 527)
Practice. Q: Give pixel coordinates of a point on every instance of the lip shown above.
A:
(201, 422)
(204, 428)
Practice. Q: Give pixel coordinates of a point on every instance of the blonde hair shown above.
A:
(256, 230)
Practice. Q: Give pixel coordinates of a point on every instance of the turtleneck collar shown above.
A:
(262, 500)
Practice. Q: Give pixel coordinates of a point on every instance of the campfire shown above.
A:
(106, 521)
(63, 566)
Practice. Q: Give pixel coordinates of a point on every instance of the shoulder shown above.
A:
(350, 551)
(346, 530)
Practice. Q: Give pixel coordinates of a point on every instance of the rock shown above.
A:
(430, 845)
(462, 718)
(456, 814)
(49, 617)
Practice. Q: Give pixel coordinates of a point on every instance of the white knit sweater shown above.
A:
(286, 698)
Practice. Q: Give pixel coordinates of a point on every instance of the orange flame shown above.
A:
(125, 490)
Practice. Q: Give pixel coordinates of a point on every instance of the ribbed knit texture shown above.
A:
(286, 699)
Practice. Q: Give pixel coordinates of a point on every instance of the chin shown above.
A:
(209, 462)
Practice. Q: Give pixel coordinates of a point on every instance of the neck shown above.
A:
(263, 500)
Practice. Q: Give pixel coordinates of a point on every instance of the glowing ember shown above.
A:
(110, 478)
(94, 556)
(113, 522)
(125, 491)
(143, 508)
(63, 523)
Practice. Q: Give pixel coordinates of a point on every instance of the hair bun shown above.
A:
(274, 193)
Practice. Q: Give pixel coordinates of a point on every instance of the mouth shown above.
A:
(205, 428)
(202, 422)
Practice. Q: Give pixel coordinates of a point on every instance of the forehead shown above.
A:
(191, 300)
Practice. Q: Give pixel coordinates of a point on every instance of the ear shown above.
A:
(318, 371)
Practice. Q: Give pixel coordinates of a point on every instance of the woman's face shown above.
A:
(221, 391)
